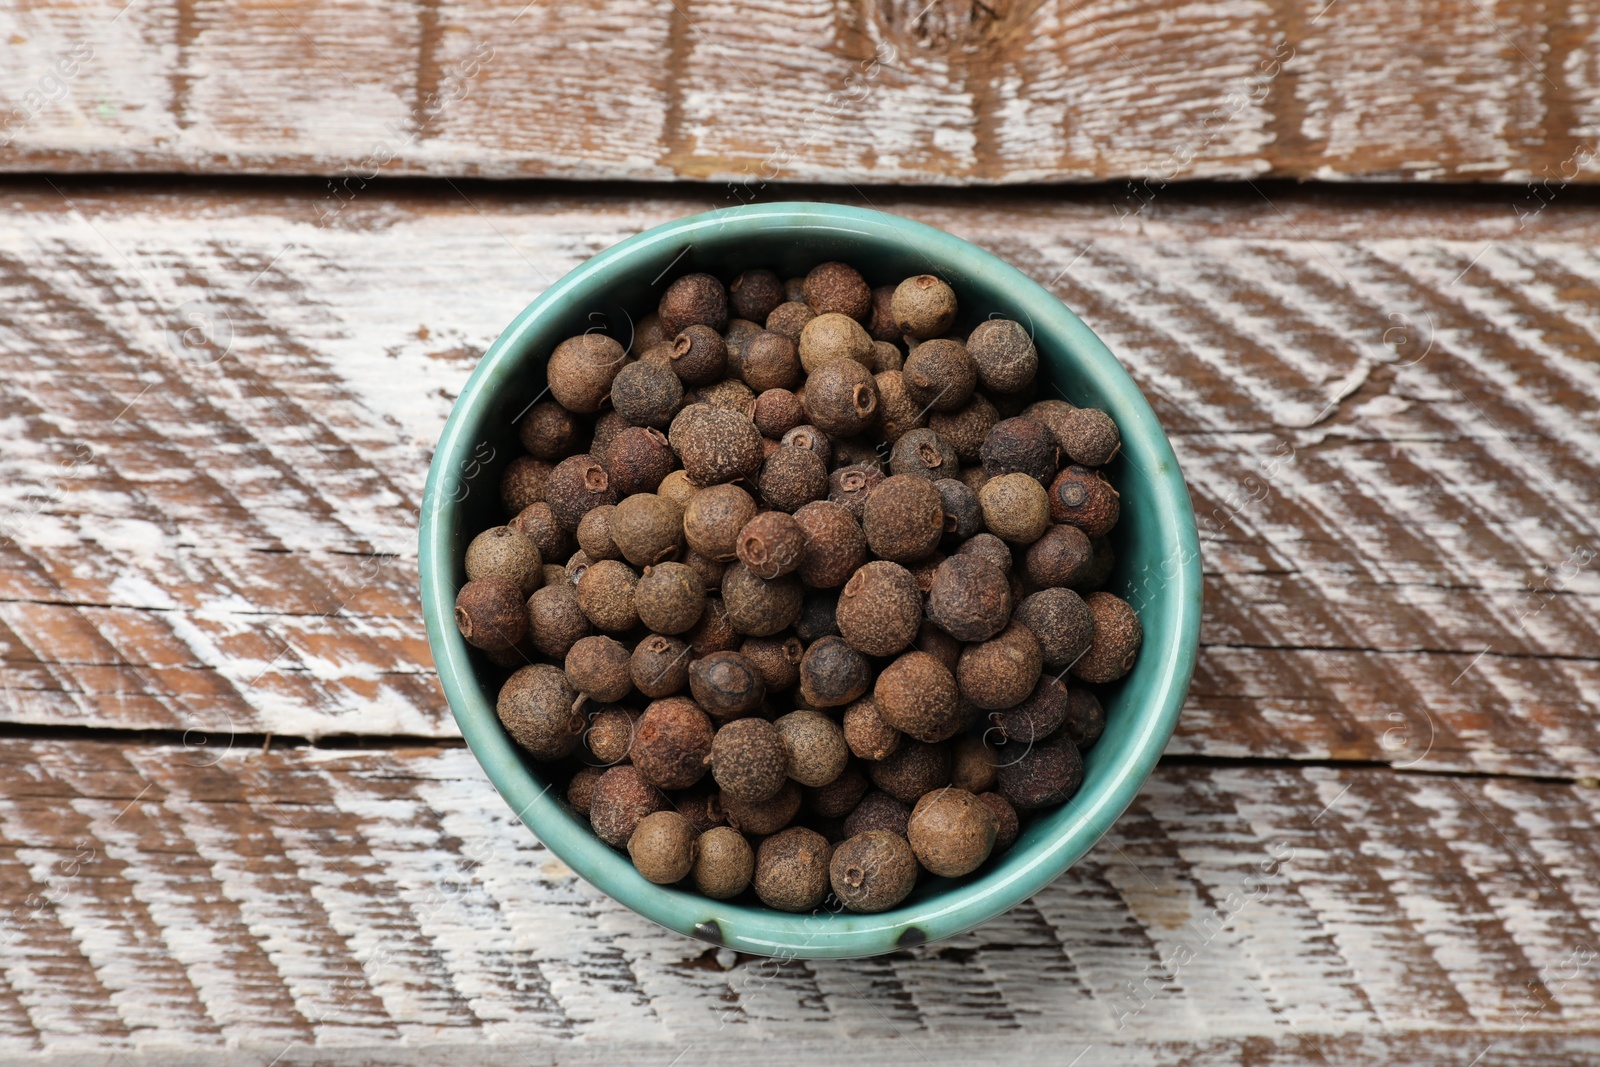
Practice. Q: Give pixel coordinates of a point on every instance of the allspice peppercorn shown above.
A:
(714, 632)
(816, 747)
(698, 356)
(714, 518)
(1007, 825)
(769, 360)
(605, 595)
(764, 816)
(659, 666)
(594, 534)
(952, 832)
(898, 414)
(1015, 508)
(818, 616)
(1062, 557)
(648, 529)
(922, 453)
(904, 518)
(810, 438)
(873, 871)
(835, 545)
(576, 486)
(865, 732)
(880, 609)
(839, 797)
(622, 798)
(970, 598)
(841, 398)
(792, 869)
(597, 667)
(748, 760)
(912, 769)
(887, 357)
(754, 293)
(880, 320)
(963, 516)
(1037, 717)
(878, 811)
(790, 318)
(832, 674)
(506, 552)
(730, 394)
(771, 545)
(1116, 640)
(776, 659)
(1020, 445)
(726, 684)
(1045, 774)
(1088, 436)
(838, 288)
(1002, 671)
(923, 307)
(580, 791)
(1086, 719)
(792, 477)
(647, 394)
(966, 428)
(850, 486)
(548, 431)
(939, 374)
(1062, 622)
(973, 764)
(724, 863)
(917, 696)
(609, 734)
(490, 613)
(669, 598)
(1004, 355)
(555, 621)
(538, 708)
(662, 847)
(756, 607)
(775, 412)
(539, 522)
(1082, 498)
(692, 299)
(715, 445)
(833, 338)
(672, 743)
(581, 369)
(523, 483)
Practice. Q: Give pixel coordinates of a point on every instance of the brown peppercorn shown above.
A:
(832, 674)
(693, 298)
(775, 412)
(1007, 825)
(1080, 497)
(790, 318)
(776, 659)
(577, 485)
(726, 684)
(912, 769)
(873, 871)
(697, 356)
(868, 736)
(648, 332)
(580, 791)
(769, 360)
(714, 444)
(839, 797)
(754, 293)
(841, 398)
(648, 529)
(1020, 445)
(922, 453)
(660, 355)
(1002, 671)
(792, 477)
(838, 288)
(816, 748)
(709, 570)
(597, 667)
(669, 598)
(555, 621)
(756, 607)
(878, 811)
(834, 338)
(581, 370)
(714, 632)
(506, 552)
(523, 483)
(606, 430)
(538, 708)
(880, 321)
(676, 486)
(940, 645)
(491, 613)
(638, 460)
(730, 394)
(724, 863)
(1004, 354)
(547, 430)
(1053, 413)
(880, 609)
(939, 375)
(973, 764)
(1088, 436)
(924, 569)
(904, 518)
(1116, 641)
(1037, 717)
(662, 847)
(1048, 773)
(714, 518)
(659, 666)
(963, 516)
(887, 357)
(609, 734)
(764, 816)
(988, 547)
(974, 478)
(554, 574)
(620, 800)
(898, 414)
(917, 696)
(594, 534)
(647, 394)
(748, 761)
(792, 869)
(672, 743)
(850, 486)
(539, 522)
(966, 428)
(771, 545)
(1086, 719)
(605, 595)
(1062, 557)
(952, 832)
(811, 439)
(923, 306)
(1015, 508)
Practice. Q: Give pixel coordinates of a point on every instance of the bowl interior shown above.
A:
(1157, 554)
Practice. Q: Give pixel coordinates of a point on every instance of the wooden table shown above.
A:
(237, 825)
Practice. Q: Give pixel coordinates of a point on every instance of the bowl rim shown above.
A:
(754, 929)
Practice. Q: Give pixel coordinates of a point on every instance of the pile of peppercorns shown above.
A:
(834, 571)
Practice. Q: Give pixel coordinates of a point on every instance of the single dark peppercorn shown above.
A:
(835, 544)
(1002, 671)
(491, 613)
(648, 529)
(594, 534)
(715, 444)
(838, 287)
(816, 747)
(938, 644)
(1020, 445)
(609, 733)
(724, 863)
(973, 764)
(555, 621)
(1088, 436)
(748, 760)
(709, 570)
(726, 684)
(756, 607)
(692, 299)
(921, 452)
(506, 552)
(577, 484)
(904, 518)
(775, 412)
(966, 428)
(912, 769)
(834, 338)
(1004, 354)
(771, 544)
(714, 518)
(898, 414)
(923, 306)
(832, 674)
(538, 708)
(754, 294)
(878, 811)
(1062, 623)
(887, 357)
(1007, 825)
(917, 696)
(597, 667)
(792, 477)
(605, 595)
(970, 598)
(952, 832)
(1086, 718)
(662, 847)
(548, 430)
(776, 659)
(1062, 557)
(669, 598)
(792, 869)
(637, 460)
(1015, 508)
(730, 394)
(581, 370)
(1037, 717)
(648, 332)
(939, 374)
(647, 394)
(580, 791)
(880, 320)
(659, 666)
(840, 796)
(841, 398)
(963, 517)
(1082, 498)
(761, 817)
(789, 318)
(1045, 774)
(873, 871)
(769, 360)
(621, 798)
(819, 616)
(1116, 641)
(714, 632)
(850, 486)
(880, 609)
(672, 743)
(697, 356)
(523, 483)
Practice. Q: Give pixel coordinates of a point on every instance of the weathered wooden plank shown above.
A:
(923, 91)
(1399, 541)
(315, 905)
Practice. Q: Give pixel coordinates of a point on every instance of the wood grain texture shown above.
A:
(1399, 538)
(318, 906)
(910, 91)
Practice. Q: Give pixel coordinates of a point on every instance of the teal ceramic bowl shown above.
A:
(1158, 562)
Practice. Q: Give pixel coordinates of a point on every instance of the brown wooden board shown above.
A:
(909, 91)
(364, 907)
(1385, 409)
